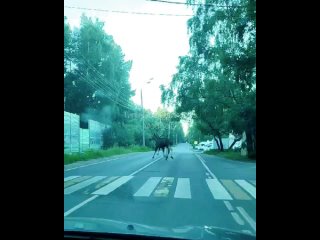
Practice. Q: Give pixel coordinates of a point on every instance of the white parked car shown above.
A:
(204, 146)
(210, 146)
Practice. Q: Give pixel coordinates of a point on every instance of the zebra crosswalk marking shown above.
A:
(164, 187)
(248, 187)
(235, 190)
(75, 181)
(82, 184)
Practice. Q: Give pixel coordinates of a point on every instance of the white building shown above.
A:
(231, 139)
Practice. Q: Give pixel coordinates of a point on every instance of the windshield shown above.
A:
(160, 117)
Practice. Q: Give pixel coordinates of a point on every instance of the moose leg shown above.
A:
(155, 151)
(168, 153)
(163, 151)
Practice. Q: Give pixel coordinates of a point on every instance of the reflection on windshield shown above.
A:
(160, 117)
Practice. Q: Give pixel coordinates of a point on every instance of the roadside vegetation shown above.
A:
(231, 154)
(94, 154)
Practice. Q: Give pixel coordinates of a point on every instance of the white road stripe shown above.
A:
(92, 198)
(112, 186)
(248, 187)
(205, 166)
(183, 188)
(139, 170)
(148, 187)
(217, 190)
(246, 216)
(228, 205)
(70, 178)
(237, 218)
(83, 184)
(79, 205)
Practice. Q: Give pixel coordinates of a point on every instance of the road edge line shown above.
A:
(205, 166)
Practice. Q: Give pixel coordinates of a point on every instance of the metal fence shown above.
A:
(84, 140)
(77, 139)
(95, 134)
(71, 133)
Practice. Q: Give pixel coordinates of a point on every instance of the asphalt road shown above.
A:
(190, 189)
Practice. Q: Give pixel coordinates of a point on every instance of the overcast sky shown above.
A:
(153, 43)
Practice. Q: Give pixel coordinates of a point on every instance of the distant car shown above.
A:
(198, 146)
(210, 146)
(202, 146)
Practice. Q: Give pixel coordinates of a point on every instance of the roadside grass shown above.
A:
(94, 154)
(230, 154)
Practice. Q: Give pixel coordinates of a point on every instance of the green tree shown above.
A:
(216, 80)
(100, 72)
(96, 83)
(67, 43)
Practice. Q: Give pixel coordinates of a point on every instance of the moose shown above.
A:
(161, 144)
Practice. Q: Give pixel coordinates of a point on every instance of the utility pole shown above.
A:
(143, 138)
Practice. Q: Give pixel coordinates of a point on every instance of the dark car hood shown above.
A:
(183, 232)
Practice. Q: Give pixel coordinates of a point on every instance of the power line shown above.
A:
(101, 80)
(112, 86)
(183, 3)
(113, 96)
(101, 86)
(100, 75)
(127, 12)
(104, 83)
(194, 4)
(96, 85)
(117, 93)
